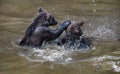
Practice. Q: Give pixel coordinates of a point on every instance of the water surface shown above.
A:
(102, 21)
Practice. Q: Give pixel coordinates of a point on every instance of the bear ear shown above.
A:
(80, 23)
(41, 10)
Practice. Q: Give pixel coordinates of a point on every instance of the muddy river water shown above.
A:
(102, 19)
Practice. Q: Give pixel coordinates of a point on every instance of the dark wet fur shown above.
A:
(41, 20)
(74, 38)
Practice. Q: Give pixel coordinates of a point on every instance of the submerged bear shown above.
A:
(74, 37)
(39, 30)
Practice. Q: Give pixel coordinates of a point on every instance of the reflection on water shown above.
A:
(102, 22)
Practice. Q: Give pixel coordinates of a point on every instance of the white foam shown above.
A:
(42, 55)
(115, 66)
(102, 58)
(102, 61)
(116, 52)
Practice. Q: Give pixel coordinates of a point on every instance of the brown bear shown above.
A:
(74, 37)
(39, 30)
(73, 32)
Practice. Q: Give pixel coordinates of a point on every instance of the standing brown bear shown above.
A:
(39, 30)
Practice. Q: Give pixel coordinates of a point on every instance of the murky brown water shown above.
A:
(102, 21)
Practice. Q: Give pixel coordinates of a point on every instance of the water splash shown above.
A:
(115, 66)
(104, 33)
(43, 55)
(104, 62)
(56, 54)
(102, 58)
(50, 51)
(103, 28)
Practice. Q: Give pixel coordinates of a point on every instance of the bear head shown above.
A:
(74, 30)
(45, 18)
